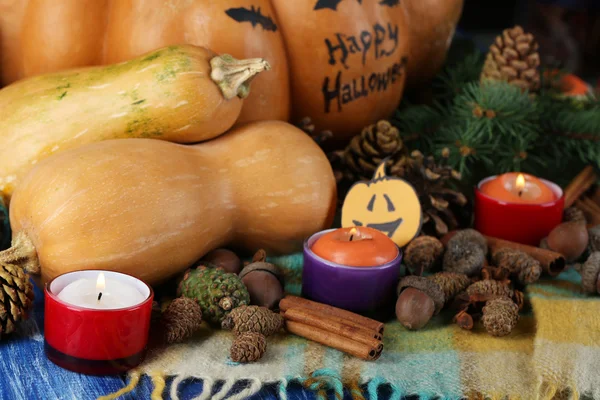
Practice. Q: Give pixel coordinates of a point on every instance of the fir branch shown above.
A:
(453, 78)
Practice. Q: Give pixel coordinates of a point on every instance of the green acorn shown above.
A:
(216, 291)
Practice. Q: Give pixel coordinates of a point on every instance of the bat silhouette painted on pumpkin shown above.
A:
(331, 4)
(252, 15)
(390, 3)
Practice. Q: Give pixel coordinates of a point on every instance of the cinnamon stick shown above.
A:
(332, 318)
(320, 320)
(579, 185)
(552, 263)
(590, 209)
(331, 339)
(353, 319)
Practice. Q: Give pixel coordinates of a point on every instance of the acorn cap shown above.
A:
(425, 285)
(263, 266)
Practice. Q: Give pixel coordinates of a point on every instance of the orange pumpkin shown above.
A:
(432, 26)
(340, 62)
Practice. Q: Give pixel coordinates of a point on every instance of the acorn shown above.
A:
(225, 259)
(470, 235)
(569, 239)
(463, 257)
(424, 254)
(419, 299)
(264, 281)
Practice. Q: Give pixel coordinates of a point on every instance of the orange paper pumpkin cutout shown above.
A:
(388, 204)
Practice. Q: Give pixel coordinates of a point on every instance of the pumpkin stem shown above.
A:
(234, 76)
(22, 253)
(380, 172)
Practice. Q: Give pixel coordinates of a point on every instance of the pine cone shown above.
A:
(253, 319)
(451, 283)
(181, 319)
(309, 128)
(526, 268)
(368, 149)
(513, 58)
(16, 297)
(443, 208)
(489, 287)
(248, 347)
(500, 316)
(424, 254)
(590, 274)
(574, 214)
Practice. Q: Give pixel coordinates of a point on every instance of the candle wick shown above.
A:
(520, 193)
(351, 236)
(99, 296)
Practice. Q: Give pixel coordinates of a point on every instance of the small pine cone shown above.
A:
(500, 316)
(451, 283)
(574, 214)
(526, 268)
(181, 319)
(368, 149)
(424, 254)
(463, 257)
(594, 239)
(513, 58)
(471, 235)
(590, 274)
(248, 347)
(489, 287)
(253, 319)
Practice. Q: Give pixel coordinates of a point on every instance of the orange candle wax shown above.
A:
(518, 188)
(356, 247)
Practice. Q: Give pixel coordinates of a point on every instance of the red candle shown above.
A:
(356, 247)
(97, 322)
(520, 209)
(518, 188)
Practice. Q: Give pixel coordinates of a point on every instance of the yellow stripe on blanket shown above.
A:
(567, 347)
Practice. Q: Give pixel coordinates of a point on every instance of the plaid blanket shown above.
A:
(554, 353)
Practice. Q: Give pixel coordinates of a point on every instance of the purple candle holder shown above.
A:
(364, 290)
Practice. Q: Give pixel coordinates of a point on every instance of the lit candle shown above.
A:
(102, 316)
(356, 247)
(101, 294)
(518, 188)
(518, 207)
(354, 268)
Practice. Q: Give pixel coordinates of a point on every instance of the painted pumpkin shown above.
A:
(385, 203)
(340, 62)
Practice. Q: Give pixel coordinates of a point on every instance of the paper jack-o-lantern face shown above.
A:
(388, 204)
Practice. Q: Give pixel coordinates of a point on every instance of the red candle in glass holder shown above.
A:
(97, 322)
(518, 207)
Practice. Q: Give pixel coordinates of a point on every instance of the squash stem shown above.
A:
(22, 253)
(234, 76)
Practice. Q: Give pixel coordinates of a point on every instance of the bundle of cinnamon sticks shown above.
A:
(330, 326)
(578, 193)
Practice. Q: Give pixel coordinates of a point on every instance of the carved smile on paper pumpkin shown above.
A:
(388, 204)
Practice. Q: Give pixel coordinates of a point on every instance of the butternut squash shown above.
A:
(151, 208)
(182, 94)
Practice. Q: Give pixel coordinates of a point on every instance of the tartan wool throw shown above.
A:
(554, 353)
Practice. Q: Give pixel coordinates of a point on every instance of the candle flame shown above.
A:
(520, 183)
(100, 282)
(353, 231)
